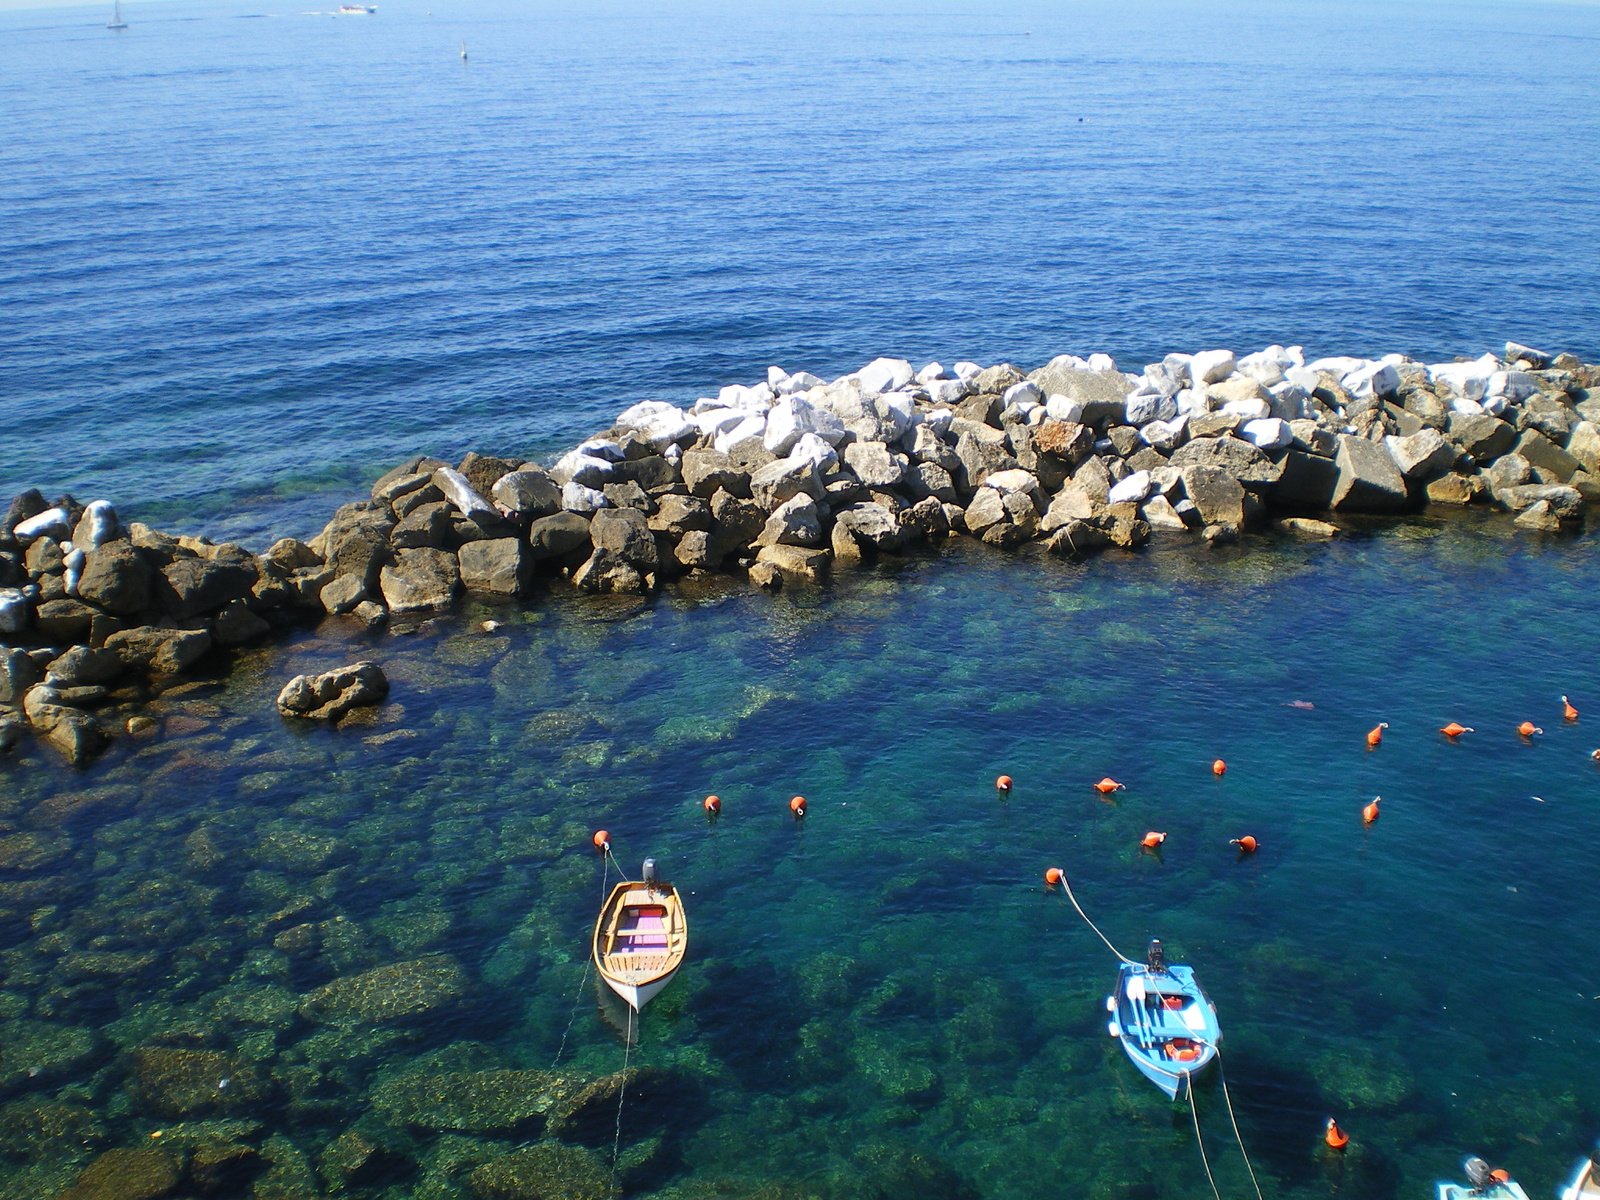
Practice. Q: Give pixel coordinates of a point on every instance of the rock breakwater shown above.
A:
(785, 478)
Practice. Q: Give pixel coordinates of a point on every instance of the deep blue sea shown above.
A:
(250, 256)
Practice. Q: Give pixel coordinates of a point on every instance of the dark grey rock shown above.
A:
(419, 580)
(499, 566)
(117, 579)
(235, 624)
(1369, 480)
(425, 525)
(557, 535)
(625, 533)
(1238, 458)
(1484, 437)
(526, 495)
(159, 651)
(328, 696)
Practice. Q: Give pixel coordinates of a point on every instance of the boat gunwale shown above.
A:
(610, 913)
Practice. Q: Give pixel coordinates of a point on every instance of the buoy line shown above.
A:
(1067, 887)
(622, 1088)
(588, 965)
(1232, 1120)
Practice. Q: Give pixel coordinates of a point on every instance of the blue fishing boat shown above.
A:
(1483, 1183)
(1164, 1020)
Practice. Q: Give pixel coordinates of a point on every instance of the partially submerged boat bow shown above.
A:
(1483, 1183)
(640, 938)
(1164, 1020)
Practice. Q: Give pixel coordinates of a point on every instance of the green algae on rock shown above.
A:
(472, 1101)
(546, 1171)
(390, 993)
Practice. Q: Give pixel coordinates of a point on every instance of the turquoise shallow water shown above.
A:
(882, 1000)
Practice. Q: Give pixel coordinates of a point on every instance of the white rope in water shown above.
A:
(1067, 887)
(622, 1088)
(1229, 1100)
(1188, 1082)
(588, 965)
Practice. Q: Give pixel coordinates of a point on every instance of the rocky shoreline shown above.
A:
(781, 481)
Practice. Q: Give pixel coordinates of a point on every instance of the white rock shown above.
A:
(931, 372)
(1512, 386)
(458, 489)
(811, 448)
(947, 391)
(1102, 362)
(1268, 433)
(1068, 362)
(1253, 409)
(1265, 371)
(1372, 379)
(794, 416)
(885, 375)
(714, 421)
(13, 611)
(102, 524)
(1013, 480)
(1303, 378)
(1493, 405)
(1019, 392)
(53, 522)
(1192, 401)
(939, 421)
(1159, 512)
(582, 469)
(751, 399)
(706, 404)
(673, 454)
(1131, 490)
(1338, 366)
(776, 378)
(752, 427)
(579, 499)
(1469, 380)
(1290, 402)
(800, 381)
(1063, 408)
(1469, 408)
(900, 414)
(967, 371)
(1211, 366)
(1165, 436)
(600, 448)
(644, 412)
(1141, 408)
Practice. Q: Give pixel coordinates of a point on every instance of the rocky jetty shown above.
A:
(783, 479)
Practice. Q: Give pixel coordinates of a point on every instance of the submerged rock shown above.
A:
(182, 1082)
(141, 1173)
(546, 1171)
(399, 990)
(328, 696)
(472, 1101)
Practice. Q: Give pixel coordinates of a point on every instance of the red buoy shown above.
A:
(1152, 839)
(712, 805)
(1246, 844)
(1003, 784)
(798, 806)
(1054, 876)
(1219, 768)
(602, 840)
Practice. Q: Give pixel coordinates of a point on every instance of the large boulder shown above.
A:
(499, 566)
(1097, 395)
(800, 562)
(1305, 481)
(328, 696)
(188, 587)
(795, 522)
(705, 472)
(425, 525)
(158, 651)
(1244, 462)
(625, 532)
(557, 535)
(1483, 437)
(1584, 446)
(735, 523)
(526, 495)
(73, 734)
(1219, 497)
(778, 481)
(18, 673)
(873, 525)
(420, 579)
(875, 464)
(400, 991)
(82, 666)
(1369, 481)
(483, 471)
(677, 515)
(793, 417)
(1422, 456)
(65, 619)
(1554, 462)
(464, 498)
(1565, 502)
(15, 610)
(116, 578)
(236, 624)
(607, 571)
(356, 542)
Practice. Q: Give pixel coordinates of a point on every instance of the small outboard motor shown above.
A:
(1478, 1175)
(649, 872)
(1155, 958)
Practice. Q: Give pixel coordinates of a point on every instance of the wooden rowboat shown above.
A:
(640, 939)
(1166, 1023)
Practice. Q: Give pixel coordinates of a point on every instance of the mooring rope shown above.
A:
(622, 1088)
(1234, 1122)
(1068, 888)
(1188, 1082)
(588, 965)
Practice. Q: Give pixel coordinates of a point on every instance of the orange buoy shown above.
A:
(1054, 875)
(1003, 784)
(601, 840)
(1453, 730)
(1500, 1175)
(1108, 785)
(1375, 734)
(1152, 839)
(1337, 1138)
(1369, 814)
(1246, 844)
(1219, 768)
(712, 805)
(1528, 729)
(1567, 710)
(798, 806)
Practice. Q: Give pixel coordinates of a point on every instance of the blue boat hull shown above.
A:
(1165, 1022)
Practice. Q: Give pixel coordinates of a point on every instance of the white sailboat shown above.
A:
(116, 21)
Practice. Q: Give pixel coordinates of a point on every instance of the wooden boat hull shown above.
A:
(1165, 1022)
(640, 940)
(1584, 1184)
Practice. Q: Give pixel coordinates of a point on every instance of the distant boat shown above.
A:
(357, 10)
(640, 938)
(1163, 1019)
(463, 49)
(116, 21)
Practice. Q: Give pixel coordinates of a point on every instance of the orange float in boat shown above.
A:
(1054, 875)
(1219, 768)
(1567, 710)
(712, 805)
(601, 840)
(1453, 730)
(1108, 785)
(1003, 784)
(1337, 1138)
(797, 806)
(1527, 729)
(1246, 844)
(1375, 735)
(1152, 839)
(1369, 814)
